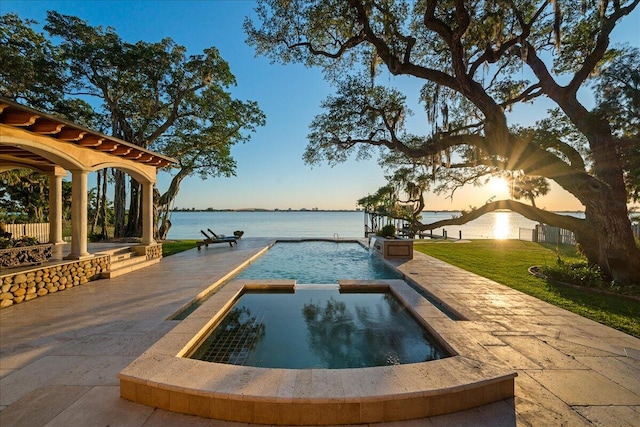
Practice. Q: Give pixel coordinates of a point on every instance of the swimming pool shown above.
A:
(321, 327)
(318, 262)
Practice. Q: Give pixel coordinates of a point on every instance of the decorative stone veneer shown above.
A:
(25, 255)
(150, 252)
(29, 284)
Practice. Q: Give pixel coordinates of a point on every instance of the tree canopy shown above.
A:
(476, 60)
(154, 95)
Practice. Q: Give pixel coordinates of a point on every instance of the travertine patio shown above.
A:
(60, 355)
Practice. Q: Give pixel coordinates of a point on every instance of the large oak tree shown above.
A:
(150, 94)
(477, 60)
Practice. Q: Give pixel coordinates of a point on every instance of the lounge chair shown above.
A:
(214, 238)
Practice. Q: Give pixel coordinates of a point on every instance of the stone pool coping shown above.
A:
(163, 377)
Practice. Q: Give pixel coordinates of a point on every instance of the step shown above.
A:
(124, 260)
(136, 263)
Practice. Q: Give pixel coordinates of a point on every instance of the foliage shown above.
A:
(24, 196)
(618, 96)
(150, 94)
(6, 243)
(31, 69)
(580, 274)
(507, 262)
(527, 187)
(476, 61)
(388, 230)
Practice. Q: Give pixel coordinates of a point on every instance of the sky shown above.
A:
(270, 172)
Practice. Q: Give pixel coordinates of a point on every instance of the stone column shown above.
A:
(147, 213)
(55, 207)
(79, 200)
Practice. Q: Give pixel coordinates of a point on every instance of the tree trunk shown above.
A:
(164, 202)
(134, 222)
(608, 241)
(103, 206)
(119, 201)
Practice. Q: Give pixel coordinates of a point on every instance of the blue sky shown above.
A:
(270, 171)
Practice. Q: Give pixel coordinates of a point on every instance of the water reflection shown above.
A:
(365, 335)
(501, 225)
(318, 328)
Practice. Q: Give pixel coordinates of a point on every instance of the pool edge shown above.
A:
(470, 378)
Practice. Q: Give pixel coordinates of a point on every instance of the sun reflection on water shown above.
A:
(501, 225)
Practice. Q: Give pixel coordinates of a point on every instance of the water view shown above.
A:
(187, 225)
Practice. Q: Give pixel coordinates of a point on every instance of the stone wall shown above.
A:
(37, 282)
(149, 252)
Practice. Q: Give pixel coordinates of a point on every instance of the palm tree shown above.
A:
(527, 187)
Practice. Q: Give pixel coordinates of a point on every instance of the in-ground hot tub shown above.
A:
(163, 377)
(319, 326)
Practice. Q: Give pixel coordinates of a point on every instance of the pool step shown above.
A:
(125, 261)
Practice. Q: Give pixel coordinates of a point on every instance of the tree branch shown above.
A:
(535, 214)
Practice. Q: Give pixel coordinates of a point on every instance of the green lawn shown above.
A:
(171, 247)
(507, 262)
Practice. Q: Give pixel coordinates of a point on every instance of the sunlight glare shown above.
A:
(498, 186)
(501, 225)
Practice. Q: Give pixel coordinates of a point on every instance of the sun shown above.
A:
(498, 186)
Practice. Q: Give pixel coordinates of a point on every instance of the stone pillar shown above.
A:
(79, 200)
(147, 213)
(55, 207)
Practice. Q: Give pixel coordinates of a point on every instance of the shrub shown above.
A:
(388, 230)
(6, 243)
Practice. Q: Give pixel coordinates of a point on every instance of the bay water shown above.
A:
(330, 224)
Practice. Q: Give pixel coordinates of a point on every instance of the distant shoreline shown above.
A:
(267, 210)
(320, 210)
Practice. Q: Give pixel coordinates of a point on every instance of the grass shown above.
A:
(507, 262)
(171, 247)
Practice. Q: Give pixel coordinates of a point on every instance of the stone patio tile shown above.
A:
(41, 406)
(594, 343)
(23, 381)
(584, 388)
(97, 370)
(536, 406)
(499, 414)
(19, 356)
(619, 416)
(541, 353)
(621, 370)
(161, 418)
(131, 344)
(102, 405)
(512, 358)
(574, 349)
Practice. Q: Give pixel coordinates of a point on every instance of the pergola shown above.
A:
(53, 146)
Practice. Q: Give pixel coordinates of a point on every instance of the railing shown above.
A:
(527, 234)
(560, 236)
(39, 230)
(556, 235)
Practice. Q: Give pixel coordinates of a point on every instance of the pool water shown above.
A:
(318, 328)
(318, 262)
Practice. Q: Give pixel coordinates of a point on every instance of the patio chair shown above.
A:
(214, 238)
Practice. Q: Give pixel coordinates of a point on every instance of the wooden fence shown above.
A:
(38, 230)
